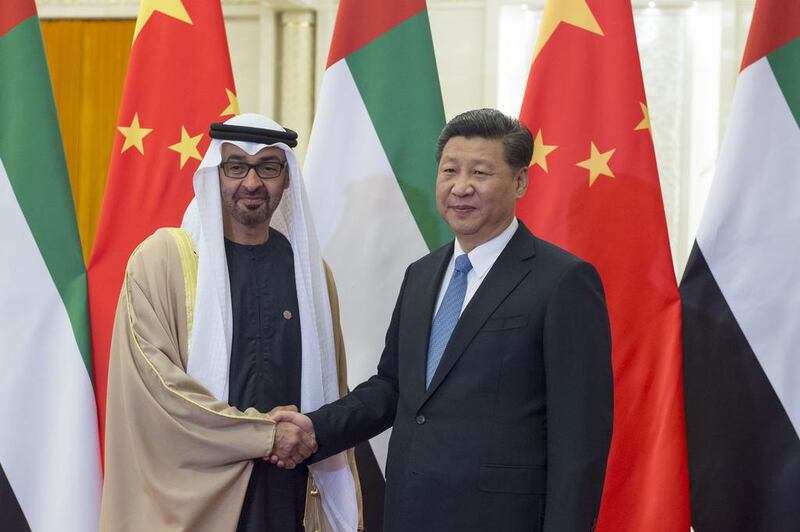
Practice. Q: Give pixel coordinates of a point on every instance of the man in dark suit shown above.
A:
(496, 373)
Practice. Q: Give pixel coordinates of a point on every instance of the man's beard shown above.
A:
(246, 216)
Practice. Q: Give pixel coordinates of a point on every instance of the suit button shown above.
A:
(420, 419)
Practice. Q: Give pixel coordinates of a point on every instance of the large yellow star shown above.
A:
(645, 123)
(172, 8)
(574, 12)
(233, 104)
(541, 151)
(187, 146)
(134, 135)
(597, 164)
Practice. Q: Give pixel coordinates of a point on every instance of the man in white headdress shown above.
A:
(219, 322)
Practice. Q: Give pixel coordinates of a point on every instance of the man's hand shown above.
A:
(292, 445)
(302, 430)
(286, 408)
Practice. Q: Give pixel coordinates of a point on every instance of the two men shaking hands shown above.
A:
(294, 441)
(495, 374)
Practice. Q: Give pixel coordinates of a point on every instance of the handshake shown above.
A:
(294, 437)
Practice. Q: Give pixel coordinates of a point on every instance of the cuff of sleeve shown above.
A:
(322, 436)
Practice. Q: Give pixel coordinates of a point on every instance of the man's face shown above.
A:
(251, 201)
(476, 190)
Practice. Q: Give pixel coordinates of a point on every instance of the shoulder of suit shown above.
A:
(548, 251)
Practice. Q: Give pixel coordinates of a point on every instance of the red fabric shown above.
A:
(775, 23)
(586, 88)
(358, 22)
(12, 12)
(177, 76)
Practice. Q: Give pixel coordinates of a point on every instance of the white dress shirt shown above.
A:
(482, 259)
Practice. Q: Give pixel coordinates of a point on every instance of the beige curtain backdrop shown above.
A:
(88, 60)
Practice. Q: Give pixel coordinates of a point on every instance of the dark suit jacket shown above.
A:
(513, 432)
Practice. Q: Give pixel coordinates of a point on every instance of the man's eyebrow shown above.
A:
(271, 157)
(467, 161)
(262, 159)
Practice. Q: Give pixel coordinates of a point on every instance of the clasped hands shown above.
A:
(294, 437)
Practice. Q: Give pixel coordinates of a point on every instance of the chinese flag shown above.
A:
(179, 80)
(594, 190)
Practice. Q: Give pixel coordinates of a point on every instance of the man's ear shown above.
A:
(521, 181)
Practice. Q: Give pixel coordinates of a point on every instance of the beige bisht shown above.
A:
(177, 459)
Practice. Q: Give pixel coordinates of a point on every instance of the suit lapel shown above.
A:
(506, 273)
(423, 300)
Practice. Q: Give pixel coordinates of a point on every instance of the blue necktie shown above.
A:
(447, 315)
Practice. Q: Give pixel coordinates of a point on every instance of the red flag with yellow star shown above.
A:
(179, 80)
(594, 190)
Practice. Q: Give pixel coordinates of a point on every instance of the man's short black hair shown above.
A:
(491, 124)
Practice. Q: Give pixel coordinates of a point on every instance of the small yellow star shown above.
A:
(574, 12)
(597, 164)
(645, 123)
(172, 8)
(233, 104)
(541, 151)
(187, 147)
(134, 135)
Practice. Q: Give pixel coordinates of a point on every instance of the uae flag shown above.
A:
(179, 81)
(49, 454)
(594, 190)
(741, 299)
(370, 173)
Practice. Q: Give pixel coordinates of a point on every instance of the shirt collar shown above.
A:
(482, 257)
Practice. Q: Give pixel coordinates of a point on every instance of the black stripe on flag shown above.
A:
(373, 487)
(11, 517)
(744, 454)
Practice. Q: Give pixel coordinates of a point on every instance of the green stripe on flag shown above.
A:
(785, 64)
(397, 79)
(32, 153)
